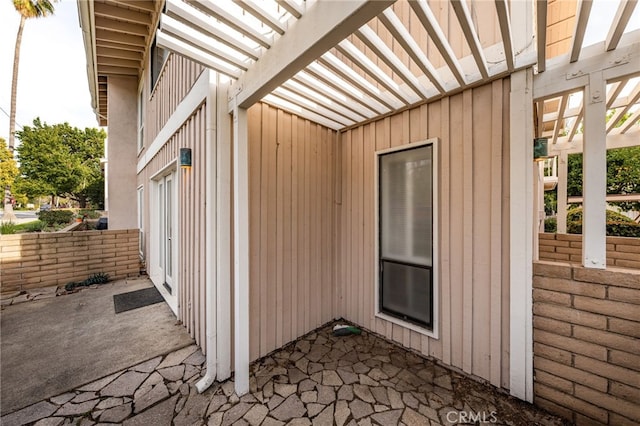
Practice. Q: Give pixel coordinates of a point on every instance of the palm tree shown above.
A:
(27, 9)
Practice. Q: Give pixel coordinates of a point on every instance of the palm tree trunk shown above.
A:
(8, 215)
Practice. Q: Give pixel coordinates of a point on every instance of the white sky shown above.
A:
(52, 80)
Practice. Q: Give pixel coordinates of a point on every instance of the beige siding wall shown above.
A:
(174, 83)
(561, 17)
(291, 192)
(176, 79)
(191, 218)
(472, 128)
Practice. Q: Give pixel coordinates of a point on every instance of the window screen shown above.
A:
(406, 234)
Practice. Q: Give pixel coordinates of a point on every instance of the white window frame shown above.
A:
(434, 332)
(142, 100)
(140, 199)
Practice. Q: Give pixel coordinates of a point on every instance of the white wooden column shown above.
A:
(594, 172)
(223, 231)
(241, 249)
(563, 176)
(521, 210)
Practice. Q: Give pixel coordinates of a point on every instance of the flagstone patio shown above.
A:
(319, 380)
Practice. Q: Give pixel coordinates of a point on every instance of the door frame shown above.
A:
(156, 267)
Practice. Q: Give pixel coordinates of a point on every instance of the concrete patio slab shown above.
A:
(319, 380)
(56, 344)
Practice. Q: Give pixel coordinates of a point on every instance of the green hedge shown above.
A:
(614, 228)
(91, 214)
(53, 217)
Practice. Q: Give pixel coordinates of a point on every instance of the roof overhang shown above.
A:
(116, 35)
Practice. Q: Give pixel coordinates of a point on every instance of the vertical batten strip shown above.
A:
(467, 225)
(496, 235)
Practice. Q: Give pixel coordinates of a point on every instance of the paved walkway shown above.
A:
(53, 344)
(319, 380)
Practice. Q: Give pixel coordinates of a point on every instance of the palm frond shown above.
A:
(34, 8)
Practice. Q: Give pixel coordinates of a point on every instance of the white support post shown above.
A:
(563, 175)
(521, 235)
(594, 171)
(538, 205)
(241, 248)
(223, 231)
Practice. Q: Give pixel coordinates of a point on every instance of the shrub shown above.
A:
(53, 217)
(575, 215)
(91, 214)
(36, 226)
(550, 225)
(99, 278)
(7, 228)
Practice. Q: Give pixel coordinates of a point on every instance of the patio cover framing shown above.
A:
(303, 57)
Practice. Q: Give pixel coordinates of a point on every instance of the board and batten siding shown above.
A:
(177, 77)
(291, 228)
(472, 131)
(191, 262)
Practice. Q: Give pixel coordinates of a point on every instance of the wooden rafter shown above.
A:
(404, 38)
(176, 29)
(219, 13)
(264, 17)
(121, 27)
(335, 95)
(122, 14)
(631, 100)
(367, 65)
(505, 30)
(430, 24)
(291, 7)
(373, 42)
(559, 123)
(304, 102)
(584, 10)
(313, 96)
(620, 21)
(464, 18)
(167, 41)
(192, 16)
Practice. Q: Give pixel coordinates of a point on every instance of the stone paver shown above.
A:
(318, 380)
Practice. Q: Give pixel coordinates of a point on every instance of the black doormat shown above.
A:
(136, 299)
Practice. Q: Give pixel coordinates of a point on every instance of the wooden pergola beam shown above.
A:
(464, 18)
(620, 21)
(584, 10)
(541, 18)
(323, 25)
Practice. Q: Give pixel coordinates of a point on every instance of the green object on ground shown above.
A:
(345, 330)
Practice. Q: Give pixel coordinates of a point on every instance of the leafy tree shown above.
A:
(623, 174)
(61, 160)
(27, 9)
(8, 166)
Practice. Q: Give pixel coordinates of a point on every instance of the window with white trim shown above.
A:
(406, 209)
(157, 58)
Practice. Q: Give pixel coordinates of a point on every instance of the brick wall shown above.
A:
(621, 251)
(48, 259)
(586, 352)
